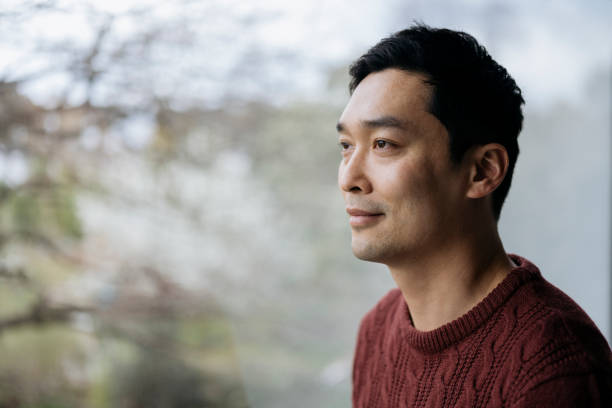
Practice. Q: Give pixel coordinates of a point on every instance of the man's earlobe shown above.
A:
(488, 169)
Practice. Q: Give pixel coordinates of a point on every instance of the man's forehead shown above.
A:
(391, 97)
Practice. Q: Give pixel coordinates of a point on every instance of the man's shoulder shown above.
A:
(552, 335)
(556, 315)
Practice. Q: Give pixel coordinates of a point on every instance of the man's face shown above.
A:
(403, 193)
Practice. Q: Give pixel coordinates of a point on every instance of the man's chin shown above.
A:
(366, 251)
(367, 258)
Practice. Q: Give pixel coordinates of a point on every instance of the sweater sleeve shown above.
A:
(586, 390)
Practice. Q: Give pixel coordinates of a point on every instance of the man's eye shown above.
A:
(343, 145)
(381, 144)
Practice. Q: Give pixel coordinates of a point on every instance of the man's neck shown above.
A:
(438, 289)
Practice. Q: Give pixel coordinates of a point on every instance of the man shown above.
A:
(429, 143)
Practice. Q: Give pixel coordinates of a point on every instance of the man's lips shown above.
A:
(362, 218)
(358, 212)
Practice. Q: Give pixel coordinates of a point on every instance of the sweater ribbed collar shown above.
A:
(451, 333)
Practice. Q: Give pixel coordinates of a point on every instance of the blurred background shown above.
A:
(171, 234)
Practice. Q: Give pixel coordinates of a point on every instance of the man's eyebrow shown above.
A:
(381, 122)
(386, 122)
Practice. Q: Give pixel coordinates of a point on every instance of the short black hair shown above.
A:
(473, 96)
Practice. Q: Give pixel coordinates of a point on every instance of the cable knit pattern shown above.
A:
(527, 344)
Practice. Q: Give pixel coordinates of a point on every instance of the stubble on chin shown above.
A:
(372, 249)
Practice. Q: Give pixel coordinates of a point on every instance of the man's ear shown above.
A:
(488, 167)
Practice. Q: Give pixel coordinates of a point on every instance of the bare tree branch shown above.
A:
(17, 274)
(43, 242)
(40, 313)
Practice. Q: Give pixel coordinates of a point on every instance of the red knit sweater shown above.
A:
(527, 344)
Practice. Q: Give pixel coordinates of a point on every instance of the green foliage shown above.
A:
(47, 211)
(25, 211)
(33, 353)
(15, 299)
(159, 377)
(48, 404)
(158, 381)
(65, 214)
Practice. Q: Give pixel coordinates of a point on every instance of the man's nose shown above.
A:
(352, 173)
